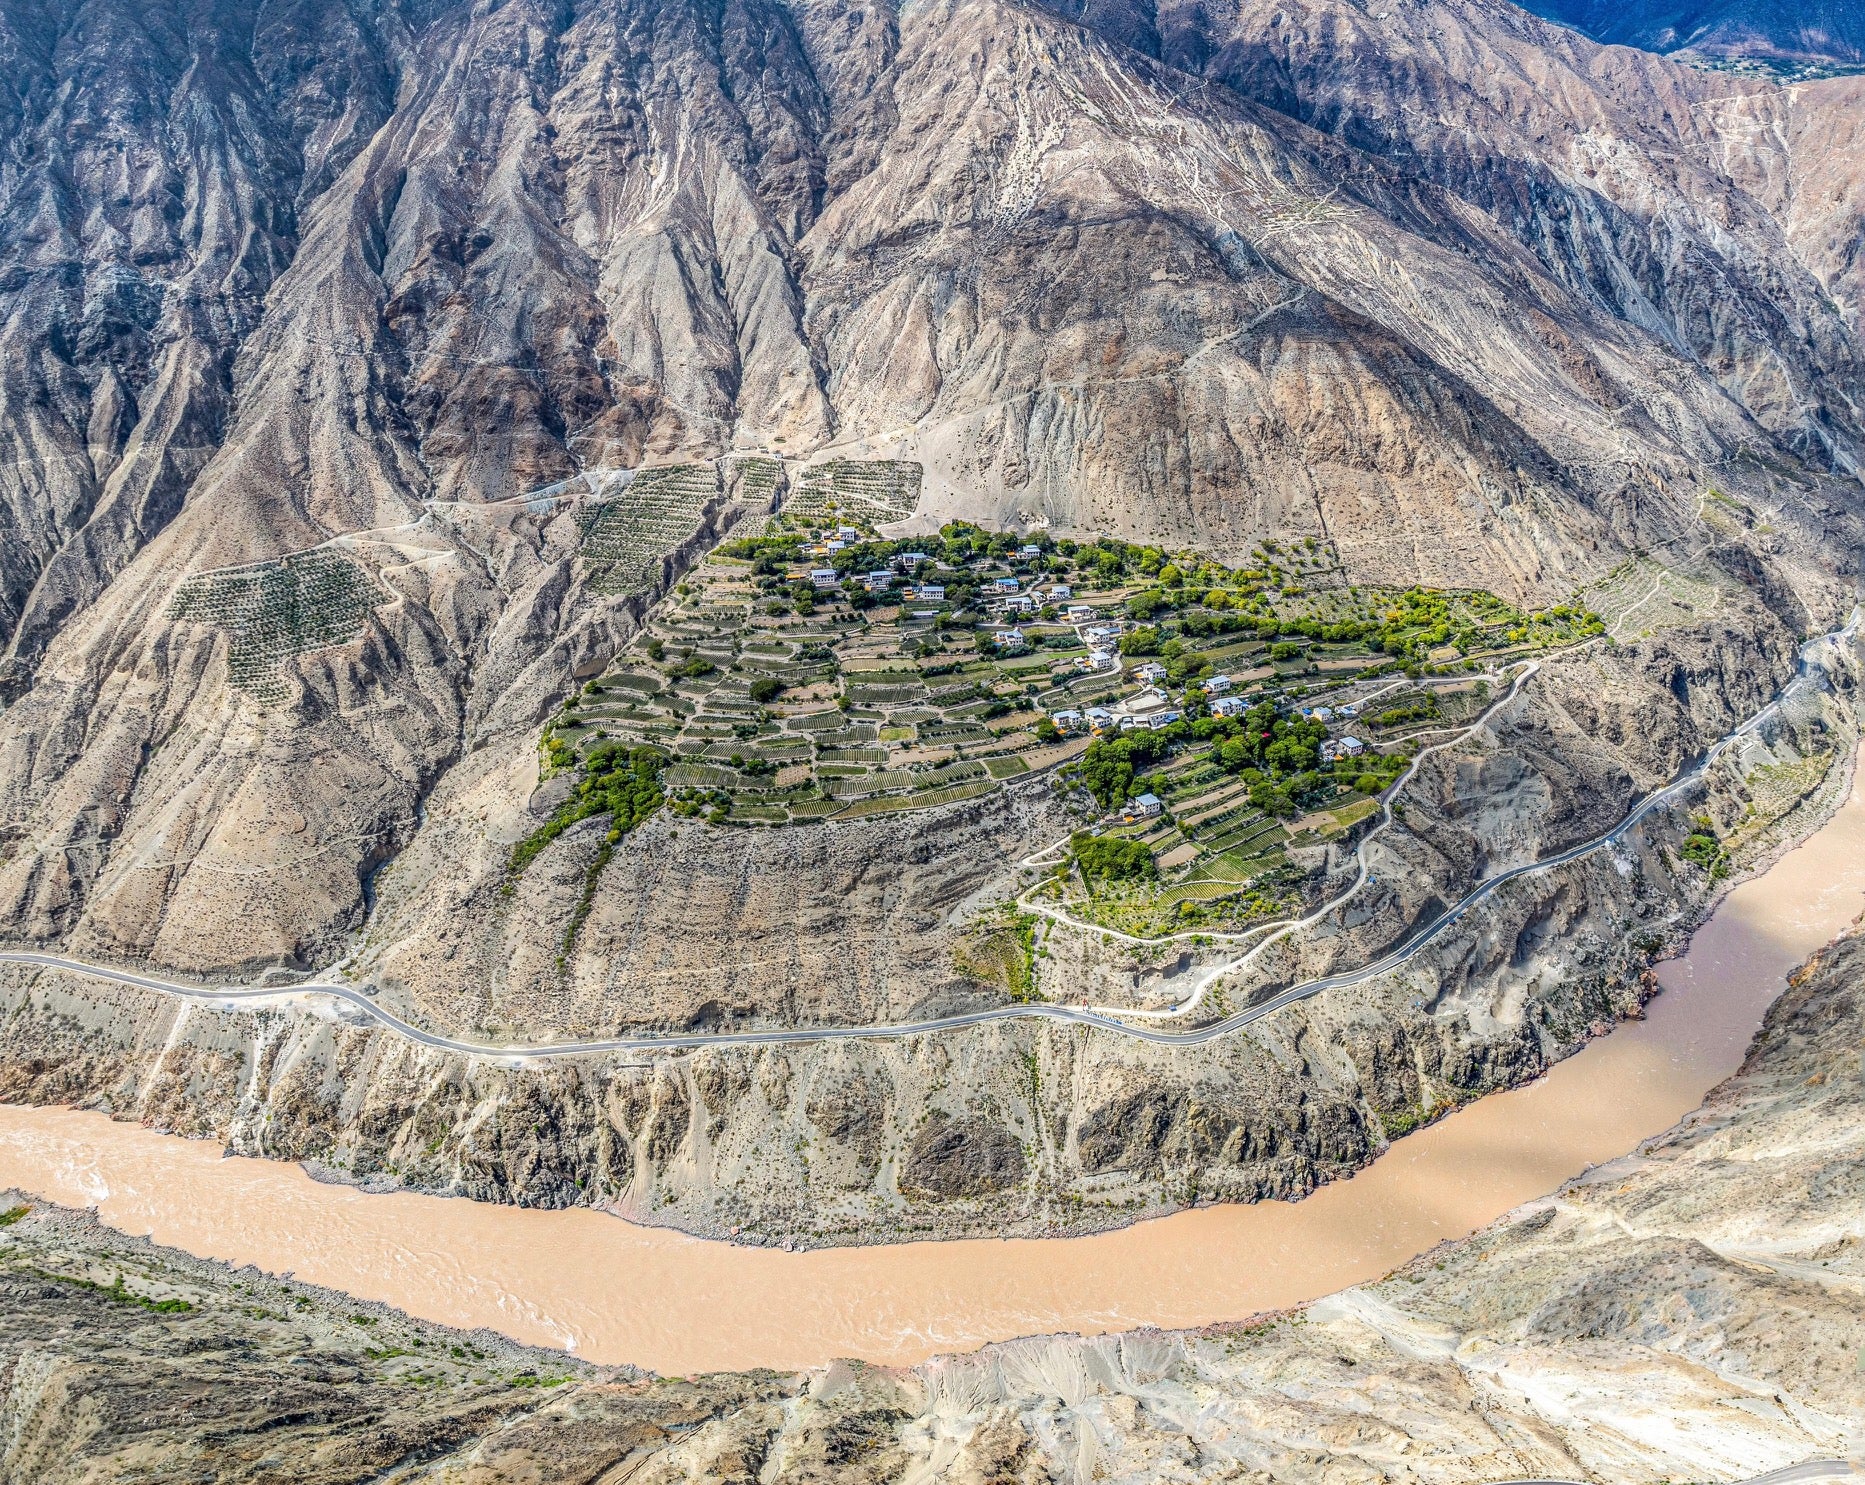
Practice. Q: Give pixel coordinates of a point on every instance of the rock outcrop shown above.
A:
(351, 279)
(1015, 1127)
(1689, 1311)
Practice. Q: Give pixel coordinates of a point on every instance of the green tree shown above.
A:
(1114, 858)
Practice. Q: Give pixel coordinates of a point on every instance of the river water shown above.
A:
(613, 1291)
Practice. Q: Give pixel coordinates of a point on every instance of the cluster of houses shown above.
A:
(897, 574)
(1008, 597)
(1152, 709)
(837, 540)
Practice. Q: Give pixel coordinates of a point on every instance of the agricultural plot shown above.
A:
(775, 716)
(273, 610)
(816, 672)
(1644, 596)
(866, 492)
(628, 533)
(754, 478)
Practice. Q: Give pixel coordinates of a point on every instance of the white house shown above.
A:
(834, 546)
(1007, 638)
(1020, 603)
(932, 592)
(1060, 591)
(875, 581)
(1145, 807)
(1150, 673)
(1229, 706)
(1078, 613)
(907, 561)
(1066, 721)
(1029, 551)
(822, 577)
(1159, 721)
(1352, 746)
(1218, 685)
(1098, 717)
(1007, 585)
(1322, 714)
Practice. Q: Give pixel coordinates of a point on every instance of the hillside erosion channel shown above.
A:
(1447, 972)
(612, 1290)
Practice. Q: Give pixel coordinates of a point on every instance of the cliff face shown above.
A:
(1010, 1128)
(1689, 1311)
(1766, 30)
(327, 323)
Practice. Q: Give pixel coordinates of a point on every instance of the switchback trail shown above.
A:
(233, 997)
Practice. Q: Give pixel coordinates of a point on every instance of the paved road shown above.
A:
(1794, 1474)
(1073, 1015)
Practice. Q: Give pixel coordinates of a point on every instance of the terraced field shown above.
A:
(273, 610)
(823, 672)
(627, 534)
(849, 723)
(755, 477)
(863, 491)
(1646, 596)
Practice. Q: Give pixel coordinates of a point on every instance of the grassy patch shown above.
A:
(1002, 952)
(618, 781)
(116, 1291)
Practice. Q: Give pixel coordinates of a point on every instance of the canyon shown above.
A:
(374, 377)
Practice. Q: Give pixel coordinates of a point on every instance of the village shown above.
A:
(1204, 719)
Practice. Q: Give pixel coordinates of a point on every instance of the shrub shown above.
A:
(1707, 852)
(1114, 858)
(618, 781)
(766, 689)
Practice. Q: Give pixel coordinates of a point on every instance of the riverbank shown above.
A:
(1689, 1311)
(614, 1291)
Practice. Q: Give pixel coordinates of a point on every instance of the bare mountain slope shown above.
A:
(1779, 30)
(1689, 1312)
(1484, 301)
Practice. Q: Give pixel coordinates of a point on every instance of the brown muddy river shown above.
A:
(613, 1291)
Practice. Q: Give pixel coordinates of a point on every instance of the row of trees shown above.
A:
(1278, 757)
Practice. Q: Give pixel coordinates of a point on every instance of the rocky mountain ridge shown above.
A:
(411, 262)
(1722, 29)
(315, 315)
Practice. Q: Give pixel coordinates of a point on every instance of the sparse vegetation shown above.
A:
(618, 781)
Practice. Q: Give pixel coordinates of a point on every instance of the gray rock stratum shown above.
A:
(1478, 297)
(1007, 1128)
(1688, 1312)
(1791, 31)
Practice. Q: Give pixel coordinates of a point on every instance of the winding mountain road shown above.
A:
(232, 997)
